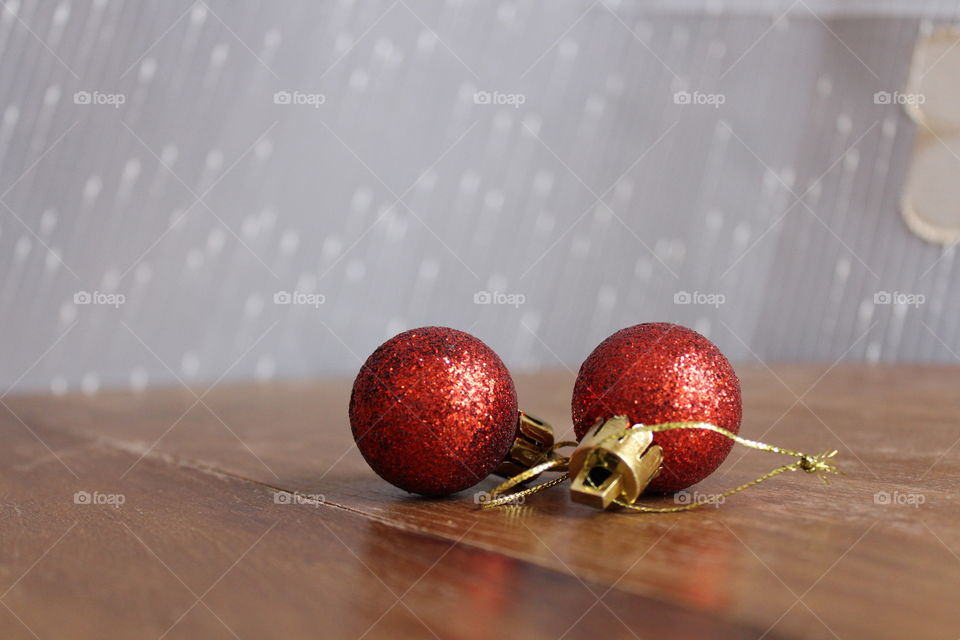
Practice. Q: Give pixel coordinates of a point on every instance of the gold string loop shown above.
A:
(819, 465)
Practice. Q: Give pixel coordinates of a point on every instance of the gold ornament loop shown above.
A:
(817, 464)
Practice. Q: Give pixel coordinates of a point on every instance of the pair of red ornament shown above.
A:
(434, 410)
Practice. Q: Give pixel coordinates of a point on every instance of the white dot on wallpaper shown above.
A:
(872, 354)
(361, 199)
(90, 383)
(568, 48)
(289, 242)
(198, 14)
(68, 313)
(383, 48)
(11, 114)
(358, 80)
(272, 38)
(889, 127)
(214, 160)
(52, 262)
(58, 385)
(615, 84)
(623, 189)
(493, 199)
(216, 240)
(131, 170)
(507, 13)
(48, 221)
(342, 43)
(843, 268)
(543, 182)
(52, 95)
(61, 13)
(814, 190)
(429, 268)
(250, 227)
(465, 92)
(788, 176)
(531, 124)
(824, 86)
(169, 153)
(139, 378)
(469, 181)
(865, 311)
(194, 259)
(264, 149)
(503, 120)
(741, 233)
(268, 218)
(782, 23)
(22, 248)
(190, 364)
(851, 160)
(426, 41)
(844, 123)
(265, 368)
(92, 188)
(531, 320)
(11, 8)
(606, 297)
(148, 68)
(331, 247)
(253, 306)
(595, 105)
(714, 219)
(110, 280)
(580, 247)
(219, 54)
(143, 273)
(307, 282)
(356, 269)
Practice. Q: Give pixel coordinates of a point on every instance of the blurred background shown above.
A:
(205, 191)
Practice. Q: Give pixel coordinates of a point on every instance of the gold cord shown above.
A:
(818, 464)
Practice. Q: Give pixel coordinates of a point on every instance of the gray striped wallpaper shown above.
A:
(209, 190)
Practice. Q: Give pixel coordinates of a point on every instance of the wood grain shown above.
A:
(789, 559)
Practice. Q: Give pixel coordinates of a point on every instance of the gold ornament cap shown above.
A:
(613, 463)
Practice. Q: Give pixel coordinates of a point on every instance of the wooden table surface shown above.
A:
(202, 547)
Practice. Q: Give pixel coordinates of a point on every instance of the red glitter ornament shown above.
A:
(433, 410)
(660, 372)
